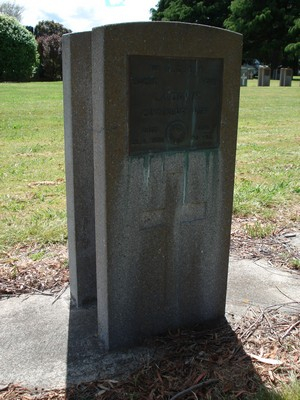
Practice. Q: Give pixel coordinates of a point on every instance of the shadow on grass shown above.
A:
(186, 364)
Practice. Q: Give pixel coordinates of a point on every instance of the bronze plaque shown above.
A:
(174, 103)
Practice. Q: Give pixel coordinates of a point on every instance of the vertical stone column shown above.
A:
(77, 83)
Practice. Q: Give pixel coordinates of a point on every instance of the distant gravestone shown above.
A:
(164, 137)
(244, 76)
(264, 75)
(286, 76)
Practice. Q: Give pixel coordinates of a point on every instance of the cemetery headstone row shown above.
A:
(264, 76)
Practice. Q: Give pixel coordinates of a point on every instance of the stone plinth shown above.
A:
(164, 136)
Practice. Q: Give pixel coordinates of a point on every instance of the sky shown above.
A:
(83, 15)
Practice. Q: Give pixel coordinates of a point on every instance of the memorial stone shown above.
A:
(164, 129)
(244, 76)
(264, 75)
(286, 76)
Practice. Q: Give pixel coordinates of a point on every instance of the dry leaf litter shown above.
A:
(261, 349)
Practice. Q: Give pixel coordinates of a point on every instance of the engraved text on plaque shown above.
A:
(174, 103)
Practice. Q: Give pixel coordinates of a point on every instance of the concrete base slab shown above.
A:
(48, 344)
(52, 345)
(258, 283)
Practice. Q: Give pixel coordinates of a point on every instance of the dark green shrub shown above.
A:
(18, 51)
(48, 28)
(49, 38)
(50, 51)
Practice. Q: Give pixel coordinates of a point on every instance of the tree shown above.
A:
(293, 48)
(270, 29)
(12, 10)
(18, 49)
(47, 28)
(48, 35)
(206, 12)
(50, 50)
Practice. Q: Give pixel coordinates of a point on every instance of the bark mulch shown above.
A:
(276, 248)
(44, 270)
(260, 351)
(33, 269)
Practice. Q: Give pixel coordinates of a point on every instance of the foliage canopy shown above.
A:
(201, 12)
(12, 10)
(48, 28)
(271, 28)
(48, 35)
(18, 49)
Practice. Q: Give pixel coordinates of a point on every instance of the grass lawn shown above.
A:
(32, 177)
(32, 186)
(268, 156)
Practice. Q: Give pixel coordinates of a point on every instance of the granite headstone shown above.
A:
(165, 108)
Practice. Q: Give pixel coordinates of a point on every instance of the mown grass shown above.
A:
(268, 158)
(32, 188)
